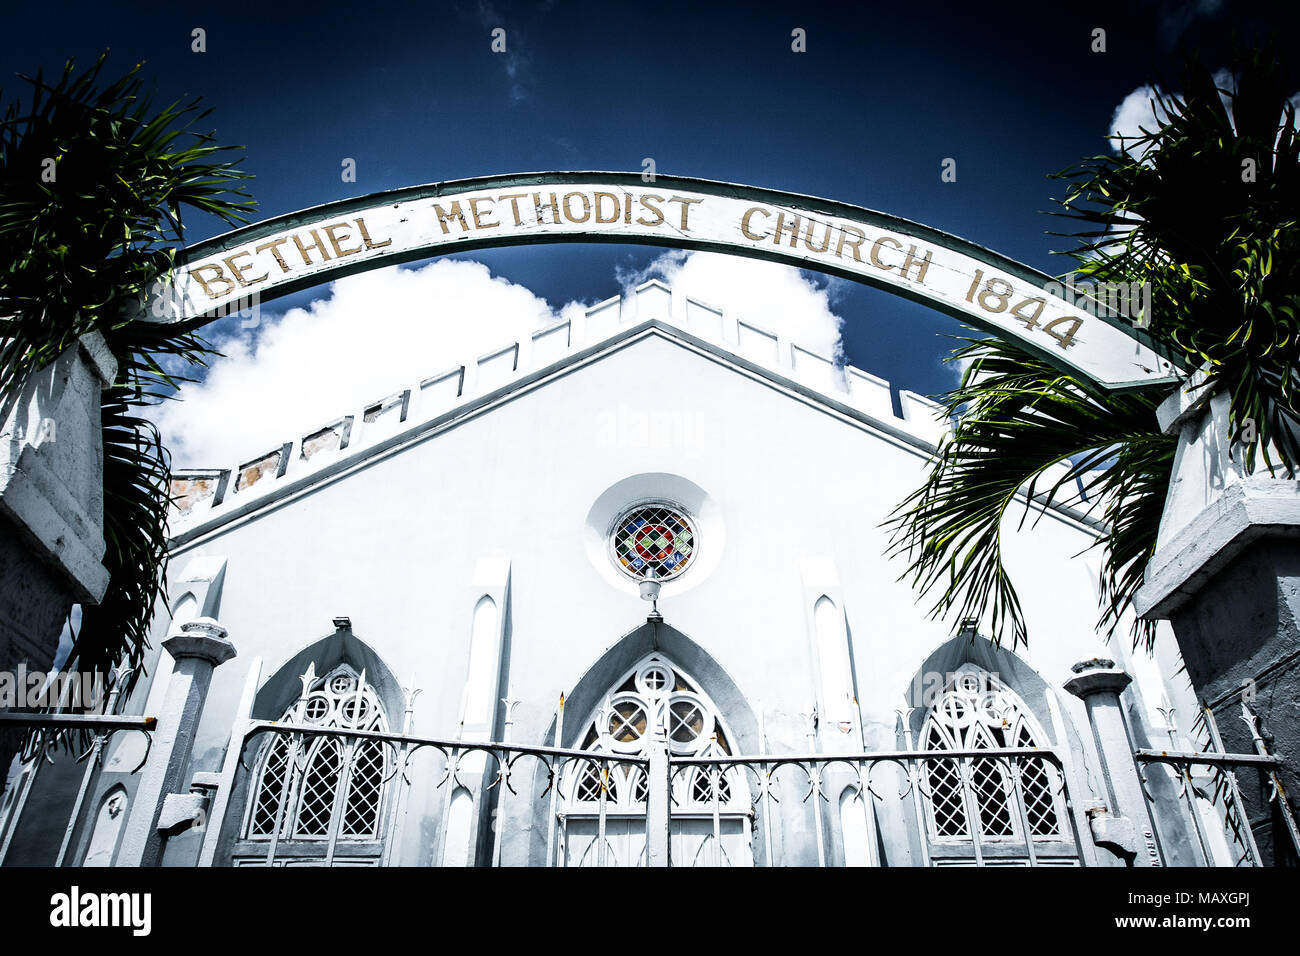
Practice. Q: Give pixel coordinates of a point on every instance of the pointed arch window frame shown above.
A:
(303, 806)
(973, 710)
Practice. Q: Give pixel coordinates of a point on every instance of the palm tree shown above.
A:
(93, 183)
(1205, 209)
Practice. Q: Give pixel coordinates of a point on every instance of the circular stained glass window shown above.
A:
(653, 537)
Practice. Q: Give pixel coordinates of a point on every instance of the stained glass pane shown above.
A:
(686, 721)
(654, 538)
(627, 722)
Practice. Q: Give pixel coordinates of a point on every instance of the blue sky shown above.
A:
(884, 93)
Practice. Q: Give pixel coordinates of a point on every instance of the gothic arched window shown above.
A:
(326, 788)
(977, 712)
(625, 724)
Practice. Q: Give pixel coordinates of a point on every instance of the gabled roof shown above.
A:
(206, 498)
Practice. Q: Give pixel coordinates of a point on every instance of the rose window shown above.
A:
(654, 538)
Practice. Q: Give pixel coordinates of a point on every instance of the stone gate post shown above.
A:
(1124, 827)
(198, 649)
(51, 505)
(1226, 575)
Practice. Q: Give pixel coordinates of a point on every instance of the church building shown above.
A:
(619, 594)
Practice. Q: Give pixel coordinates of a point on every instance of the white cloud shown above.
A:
(1135, 113)
(1138, 111)
(779, 298)
(376, 332)
(370, 335)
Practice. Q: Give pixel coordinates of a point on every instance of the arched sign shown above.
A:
(292, 252)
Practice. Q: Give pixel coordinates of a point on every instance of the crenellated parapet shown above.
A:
(200, 494)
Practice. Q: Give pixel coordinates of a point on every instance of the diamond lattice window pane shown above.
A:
(991, 797)
(945, 790)
(320, 783)
(361, 816)
(1036, 789)
(640, 787)
(946, 800)
(266, 804)
(702, 787)
(1039, 805)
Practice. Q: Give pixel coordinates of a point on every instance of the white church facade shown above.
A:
(442, 656)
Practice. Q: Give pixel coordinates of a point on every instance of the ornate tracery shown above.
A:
(328, 788)
(624, 722)
(656, 704)
(977, 712)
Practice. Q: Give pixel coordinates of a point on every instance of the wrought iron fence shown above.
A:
(598, 807)
(85, 734)
(340, 795)
(1215, 792)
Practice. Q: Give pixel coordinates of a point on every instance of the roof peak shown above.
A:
(653, 303)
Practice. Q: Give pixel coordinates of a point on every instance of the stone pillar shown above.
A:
(52, 501)
(199, 648)
(1226, 575)
(1123, 827)
(51, 505)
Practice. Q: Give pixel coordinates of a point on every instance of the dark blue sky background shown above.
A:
(883, 94)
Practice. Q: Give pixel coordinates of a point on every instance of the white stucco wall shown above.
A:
(394, 545)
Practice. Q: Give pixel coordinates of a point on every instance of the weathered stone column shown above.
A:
(199, 648)
(51, 505)
(52, 500)
(1226, 575)
(1124, 826)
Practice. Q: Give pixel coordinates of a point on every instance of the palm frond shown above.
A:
(94, 183)
(1026, 436)
(1204, 209)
